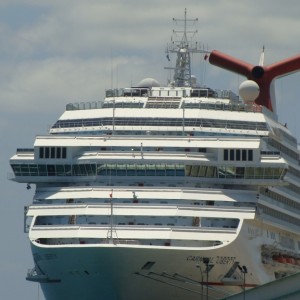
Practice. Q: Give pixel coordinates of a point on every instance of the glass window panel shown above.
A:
(179, 170)
(268, 173)
(222, 172)
(170, 170)
(42, 170)
(249, 172)
(225, 154)
(41, 152)
(33, 169)
(160, 170)
(238, 154)
(240, 172)
(58, 152)
(51, 170)
(101, 169)
(68, 170)
(64, 152)
(121, 170)
(16, 169)
(188, 169)
(244, 155)
(140, 170)
(259, 172)
(230, 172)
(202, 171)
(47, 150)
(111, 170)
(25, 170)
(150, 170)
(60, 170)
(131, 170)
(52, 152)
(211, 171)
(231, 154)
(76, 170)
(277, 172)
(194, 172)
(92, 170)
(250, 155)
(83, 171)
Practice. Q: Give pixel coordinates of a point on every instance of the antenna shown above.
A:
(183, 49)
(262, 57)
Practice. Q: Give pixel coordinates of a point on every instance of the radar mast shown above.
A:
(183, 49)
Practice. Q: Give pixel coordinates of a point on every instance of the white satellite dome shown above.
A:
(148, 82)
(249, 90)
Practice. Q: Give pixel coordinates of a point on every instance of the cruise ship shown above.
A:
(170, 192)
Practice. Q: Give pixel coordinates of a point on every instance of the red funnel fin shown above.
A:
(262, 75)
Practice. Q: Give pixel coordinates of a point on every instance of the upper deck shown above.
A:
(168, 97)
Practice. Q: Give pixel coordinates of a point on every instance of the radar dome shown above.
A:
(148, 83)
(249, 90)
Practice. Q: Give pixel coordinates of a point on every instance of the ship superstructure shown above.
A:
(174, 192)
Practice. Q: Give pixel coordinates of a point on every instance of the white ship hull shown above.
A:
(116, 272)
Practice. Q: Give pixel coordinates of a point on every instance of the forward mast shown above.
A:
(183, 49)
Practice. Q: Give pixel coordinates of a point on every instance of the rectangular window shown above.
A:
(244, 155)
(47, 150)
(68, 170)
(268, 173)
(41, 152)
(231, 154)
(52, 152)
(121, 169)
(150, 170)
(170, 170)
(238, 154)
(211, 171)
(42, 170)
(230, 172)
(64, 152)
(76, 170)
(259, 173)
(17, 169)
(131, 170)
(160, 170)
(33, 169)
(82, 169)
(249, 172)
(202, 171)
(140, 170)
(250, 155)
(240, 171)
(92, 170)
(225, 154)
(60, 170)
(51, 170)
(24, 170)
(179, 170)
(58, 152)
(195, 170)
(111, 169)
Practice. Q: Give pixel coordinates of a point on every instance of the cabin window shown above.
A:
(225, 154)
(46, 152)
(53, 152)
(238, 154)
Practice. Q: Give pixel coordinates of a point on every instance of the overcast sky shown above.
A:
(60, 51)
